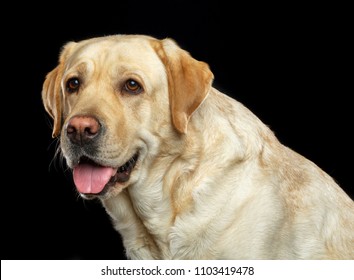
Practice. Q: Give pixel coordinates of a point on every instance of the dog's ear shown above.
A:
(52, 90)
(189, 81)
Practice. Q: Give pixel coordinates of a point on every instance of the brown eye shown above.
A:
(72, 85)
(132, 87)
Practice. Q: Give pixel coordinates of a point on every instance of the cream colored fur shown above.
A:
(212, 181)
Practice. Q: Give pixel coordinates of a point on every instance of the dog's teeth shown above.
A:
(128, 166)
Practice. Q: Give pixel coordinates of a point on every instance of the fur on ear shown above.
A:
(52, 91)
(189, 81)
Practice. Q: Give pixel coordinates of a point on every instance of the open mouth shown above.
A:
(92, 178)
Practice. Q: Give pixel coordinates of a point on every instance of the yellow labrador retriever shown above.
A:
(183, 170)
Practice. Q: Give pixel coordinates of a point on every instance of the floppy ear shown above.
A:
(52, 92)
(189, 81)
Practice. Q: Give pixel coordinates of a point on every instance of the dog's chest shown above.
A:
(155, 213)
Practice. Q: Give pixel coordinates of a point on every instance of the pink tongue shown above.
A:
(91, 179)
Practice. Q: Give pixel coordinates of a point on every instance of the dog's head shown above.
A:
(114, 100)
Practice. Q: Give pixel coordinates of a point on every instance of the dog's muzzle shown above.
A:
(92, 176)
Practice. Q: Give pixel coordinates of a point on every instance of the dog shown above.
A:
(183, 170)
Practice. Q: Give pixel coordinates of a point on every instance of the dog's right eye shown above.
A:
(72, 85)
(133, 87)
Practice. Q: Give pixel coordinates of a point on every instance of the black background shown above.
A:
(288, 64)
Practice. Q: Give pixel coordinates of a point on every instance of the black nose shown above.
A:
(82, 129)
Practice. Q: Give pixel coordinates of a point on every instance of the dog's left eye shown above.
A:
(132, 87)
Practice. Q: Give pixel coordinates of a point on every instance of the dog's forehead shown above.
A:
(117, 50)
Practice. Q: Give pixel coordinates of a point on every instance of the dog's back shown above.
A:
(258, 198)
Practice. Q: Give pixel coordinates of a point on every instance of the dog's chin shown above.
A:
(116, 180)
(108, 192)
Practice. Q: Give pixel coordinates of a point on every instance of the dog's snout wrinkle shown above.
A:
(82, 129)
